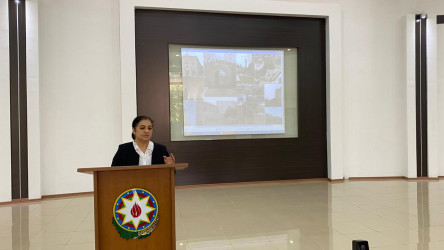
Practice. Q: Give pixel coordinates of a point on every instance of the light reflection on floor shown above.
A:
(313, 215)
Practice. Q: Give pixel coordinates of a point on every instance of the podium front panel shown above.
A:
(109, 185)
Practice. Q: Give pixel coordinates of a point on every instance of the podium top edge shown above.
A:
(177, 166)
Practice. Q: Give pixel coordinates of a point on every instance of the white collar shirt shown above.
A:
(145, 158)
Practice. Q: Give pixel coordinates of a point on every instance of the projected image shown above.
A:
(273, 95)
(192, 73)
(268, 68)
(229, 92)
(220, 70)
(244, 68)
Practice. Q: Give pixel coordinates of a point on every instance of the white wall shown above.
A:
(33, 94)
(433, 8)
(5, 131)
(79, 90)
(374, 110)
(436, 7)
(374, 90)
(410, 79)
(440, 43)
(432, 99)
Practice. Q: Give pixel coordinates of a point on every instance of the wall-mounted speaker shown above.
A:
(360, 245)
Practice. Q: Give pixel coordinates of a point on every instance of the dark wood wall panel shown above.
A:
(221, 161)
(19, 137)
(421, 96)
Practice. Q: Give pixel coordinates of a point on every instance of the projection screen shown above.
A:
(232, 93)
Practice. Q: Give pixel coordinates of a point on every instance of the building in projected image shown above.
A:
(191, 66)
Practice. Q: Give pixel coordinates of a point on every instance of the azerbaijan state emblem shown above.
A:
(136, 214)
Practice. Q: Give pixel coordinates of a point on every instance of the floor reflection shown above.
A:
(314, 215)
(20, 227)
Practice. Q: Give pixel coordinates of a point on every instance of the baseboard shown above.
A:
(385, 178)
(44, 197)
(336, 180)
(380, 178)
(423, 179)
(19, 201)
(251, 183)
(52, 196)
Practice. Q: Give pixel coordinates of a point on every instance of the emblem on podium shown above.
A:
(136, 214)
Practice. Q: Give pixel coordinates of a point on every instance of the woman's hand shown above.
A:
(169, 160)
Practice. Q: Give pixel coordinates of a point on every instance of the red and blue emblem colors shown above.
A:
(135, 213)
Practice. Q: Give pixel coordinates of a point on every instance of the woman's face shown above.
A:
(143, 130)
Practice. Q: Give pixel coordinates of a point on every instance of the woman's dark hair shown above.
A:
(139, 119)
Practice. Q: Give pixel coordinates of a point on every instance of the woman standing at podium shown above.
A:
(142, 151)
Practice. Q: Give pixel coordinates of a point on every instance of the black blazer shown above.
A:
(127, 156)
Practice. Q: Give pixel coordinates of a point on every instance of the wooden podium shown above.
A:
(144, 194)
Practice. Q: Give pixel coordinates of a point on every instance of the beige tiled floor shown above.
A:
(391, 215)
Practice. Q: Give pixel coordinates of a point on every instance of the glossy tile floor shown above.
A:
(313, 215)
